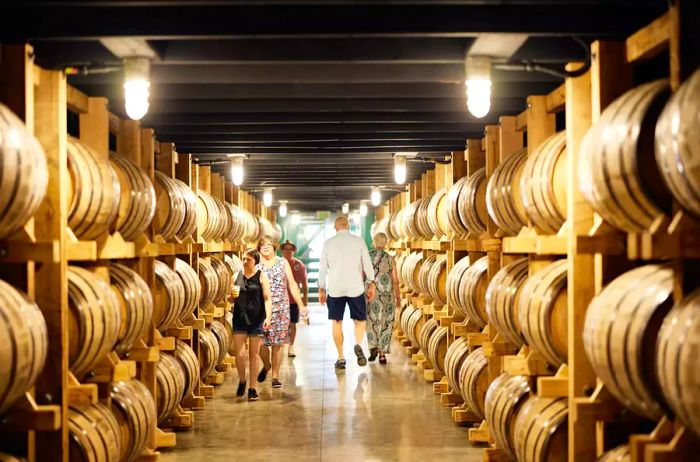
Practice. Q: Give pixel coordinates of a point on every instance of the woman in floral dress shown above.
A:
(278, 272)
(380, 310)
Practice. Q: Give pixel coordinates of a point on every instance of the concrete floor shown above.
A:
(371, 413)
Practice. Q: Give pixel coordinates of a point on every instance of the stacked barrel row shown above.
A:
(641, 341)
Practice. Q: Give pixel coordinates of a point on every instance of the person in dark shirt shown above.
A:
(252, 313)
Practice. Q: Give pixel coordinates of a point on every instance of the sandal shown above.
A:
(382, 359)
(361, 360)
(373, 354)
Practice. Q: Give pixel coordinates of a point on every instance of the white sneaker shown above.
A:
(290, 352)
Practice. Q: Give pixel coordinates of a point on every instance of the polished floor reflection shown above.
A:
(371, 413)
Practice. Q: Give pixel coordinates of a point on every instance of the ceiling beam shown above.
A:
(255, 91)
(310, 137)
(318, 73)
(337, 129)
(151, 20)
(257, 118)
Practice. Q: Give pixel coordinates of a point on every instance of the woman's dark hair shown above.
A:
(254, 254)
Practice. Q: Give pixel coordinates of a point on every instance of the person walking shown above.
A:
(279, 273)
(300, 279)
(344, 268)
(381, 310)
(252, 312)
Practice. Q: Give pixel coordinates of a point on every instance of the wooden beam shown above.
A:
(650, 40)
(521, 121)
(556, 99)
(77, 100)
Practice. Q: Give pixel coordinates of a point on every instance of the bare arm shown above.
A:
(267, 297)
(305, 287)
(293, 286)
(322, 269)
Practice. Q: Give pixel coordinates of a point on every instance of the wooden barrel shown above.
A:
(208, 217)
(94, 191)
(170, 383)
(25, 175)
(415, 325)
(94, 434)
(397, 225)
(8, 458)
(503, 194)
(421, 218)
(472, 291)
(252, 227)
(472, 203)
(189, 364)
(411, 271)
(542, 310)
(474, 381)
(676, 156)
(168, 297)
(189, 223)
(223, 338)
(209, 280)
(171, 208)
(437, 347)
(410, 220)
(544, 184)
(502, 300)
(437, 214)
(620, 333)
(677, 358)
(235, 229)
(93, 321)
(24, 346)
(209, 352)
(619, 454)
(454, 358)
(192, 288)
(224, 279)
(137, 198)
(541, 430)
(423, 336)
(406, 314)
(234, 264)
(452, 285)
(454, 220)
(135, 411)
(437, 277)
(391, 231)
(505, 398)
(424, 273)
(617, 169)
(136, 305)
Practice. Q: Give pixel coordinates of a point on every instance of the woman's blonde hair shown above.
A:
(379, 240)
(267, 240)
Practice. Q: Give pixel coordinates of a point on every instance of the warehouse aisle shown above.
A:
(373, 413)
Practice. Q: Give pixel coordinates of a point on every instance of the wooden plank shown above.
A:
(580, 267)
(510, 140)
(521, 121)
(556, 100)
(94, 126)
(77, 100)
(649, 41)
(540, 123)
(51, 280)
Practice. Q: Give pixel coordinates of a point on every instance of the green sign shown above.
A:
(323, 214)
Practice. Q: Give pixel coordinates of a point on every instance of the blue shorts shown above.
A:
(336, 307)
(243, 328)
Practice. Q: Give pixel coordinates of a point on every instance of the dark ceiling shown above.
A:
(318, 93)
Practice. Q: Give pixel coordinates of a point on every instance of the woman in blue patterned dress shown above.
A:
(380, 309)
(279, 273)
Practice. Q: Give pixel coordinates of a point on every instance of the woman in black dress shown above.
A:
(252, 312)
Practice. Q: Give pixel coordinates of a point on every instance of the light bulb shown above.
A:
(376, 196)
(136, 98)
(363, 209)
(478, 97)
(283, 209)
(296, 218)
(136, 86)
(478, 82)
(237, 171)
(399, 169)
(267, 197)
(346, 208)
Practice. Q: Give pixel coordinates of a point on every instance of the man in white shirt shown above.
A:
(345, 263)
